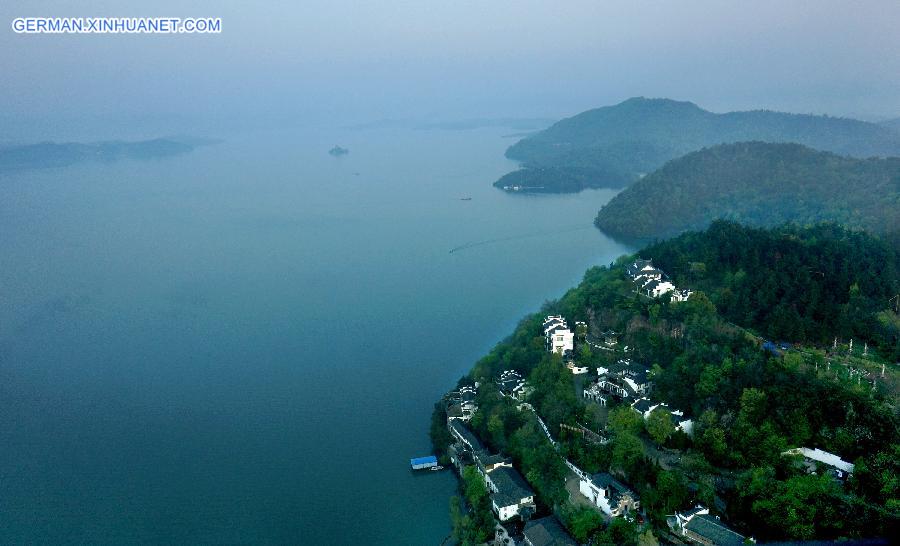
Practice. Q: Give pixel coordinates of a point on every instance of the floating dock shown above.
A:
(421, 463)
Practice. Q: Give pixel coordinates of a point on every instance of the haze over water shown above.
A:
(244, 343)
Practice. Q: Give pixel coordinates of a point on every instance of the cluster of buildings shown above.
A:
(626, 380)
(460, 404)
(653, 282)
(511, 495)
(630, 382)
(698, 526)
(512, 384)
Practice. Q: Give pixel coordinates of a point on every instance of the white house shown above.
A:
(681, 295)
(561, 340)
(595, 393)
(609, 494)
(652, 281)
(699, 527)
(510, 493)
(656, 288)
(639, 267)
(645, 407)
(576, 369)
(552, 322)
(812, 456)
(511, 384)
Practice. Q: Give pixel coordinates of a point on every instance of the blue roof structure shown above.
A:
(771, 347)
(430, 460)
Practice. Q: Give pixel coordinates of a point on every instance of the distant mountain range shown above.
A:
(759, 184)
(616, 145)
(51, 154)
(892, 124)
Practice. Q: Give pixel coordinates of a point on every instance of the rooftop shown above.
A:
(511, 486)
(710, 527)
(464, 431)
(547, 532)
(822, 456)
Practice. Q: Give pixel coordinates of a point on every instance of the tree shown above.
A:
(659, 425)
(647, 539)
(624, 420)
(620, 532)
(474, 485)
(628, 453)
(583, 523)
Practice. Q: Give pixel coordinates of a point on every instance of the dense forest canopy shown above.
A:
(756, 183)
(615, 145)
(807, 285)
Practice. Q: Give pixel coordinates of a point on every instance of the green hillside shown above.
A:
(760, 184)
(615, 145)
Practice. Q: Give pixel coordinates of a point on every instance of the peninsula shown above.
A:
(726, 386)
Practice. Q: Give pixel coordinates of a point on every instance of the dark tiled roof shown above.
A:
(486, 459)
(637, 265)
(547, 532)
(642, 405)
(615, 487)
(464, 431)
(711, 528)
(511, 486)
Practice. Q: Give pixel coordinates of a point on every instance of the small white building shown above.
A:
(681, 295)
(812, 456)
(560, 341)
(609, 494)
(576, 369)
(657, 288)
(645, 407)
(595, 393)
(510, 493)
(698, 526)
(553, 322)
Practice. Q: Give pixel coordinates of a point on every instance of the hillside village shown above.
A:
(628, 383)
(607, 381)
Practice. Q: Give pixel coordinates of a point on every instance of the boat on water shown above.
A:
(438, 467)
(465, 198)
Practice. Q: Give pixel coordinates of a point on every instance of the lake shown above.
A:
(244, 344)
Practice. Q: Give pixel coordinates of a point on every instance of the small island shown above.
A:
(338, 151)
(51, 154)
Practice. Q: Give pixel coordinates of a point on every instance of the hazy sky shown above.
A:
(341, 62)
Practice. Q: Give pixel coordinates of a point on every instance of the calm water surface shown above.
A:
(243, 344)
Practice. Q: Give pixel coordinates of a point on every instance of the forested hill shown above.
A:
(800, 284)
(613, 146)
(760, 184)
